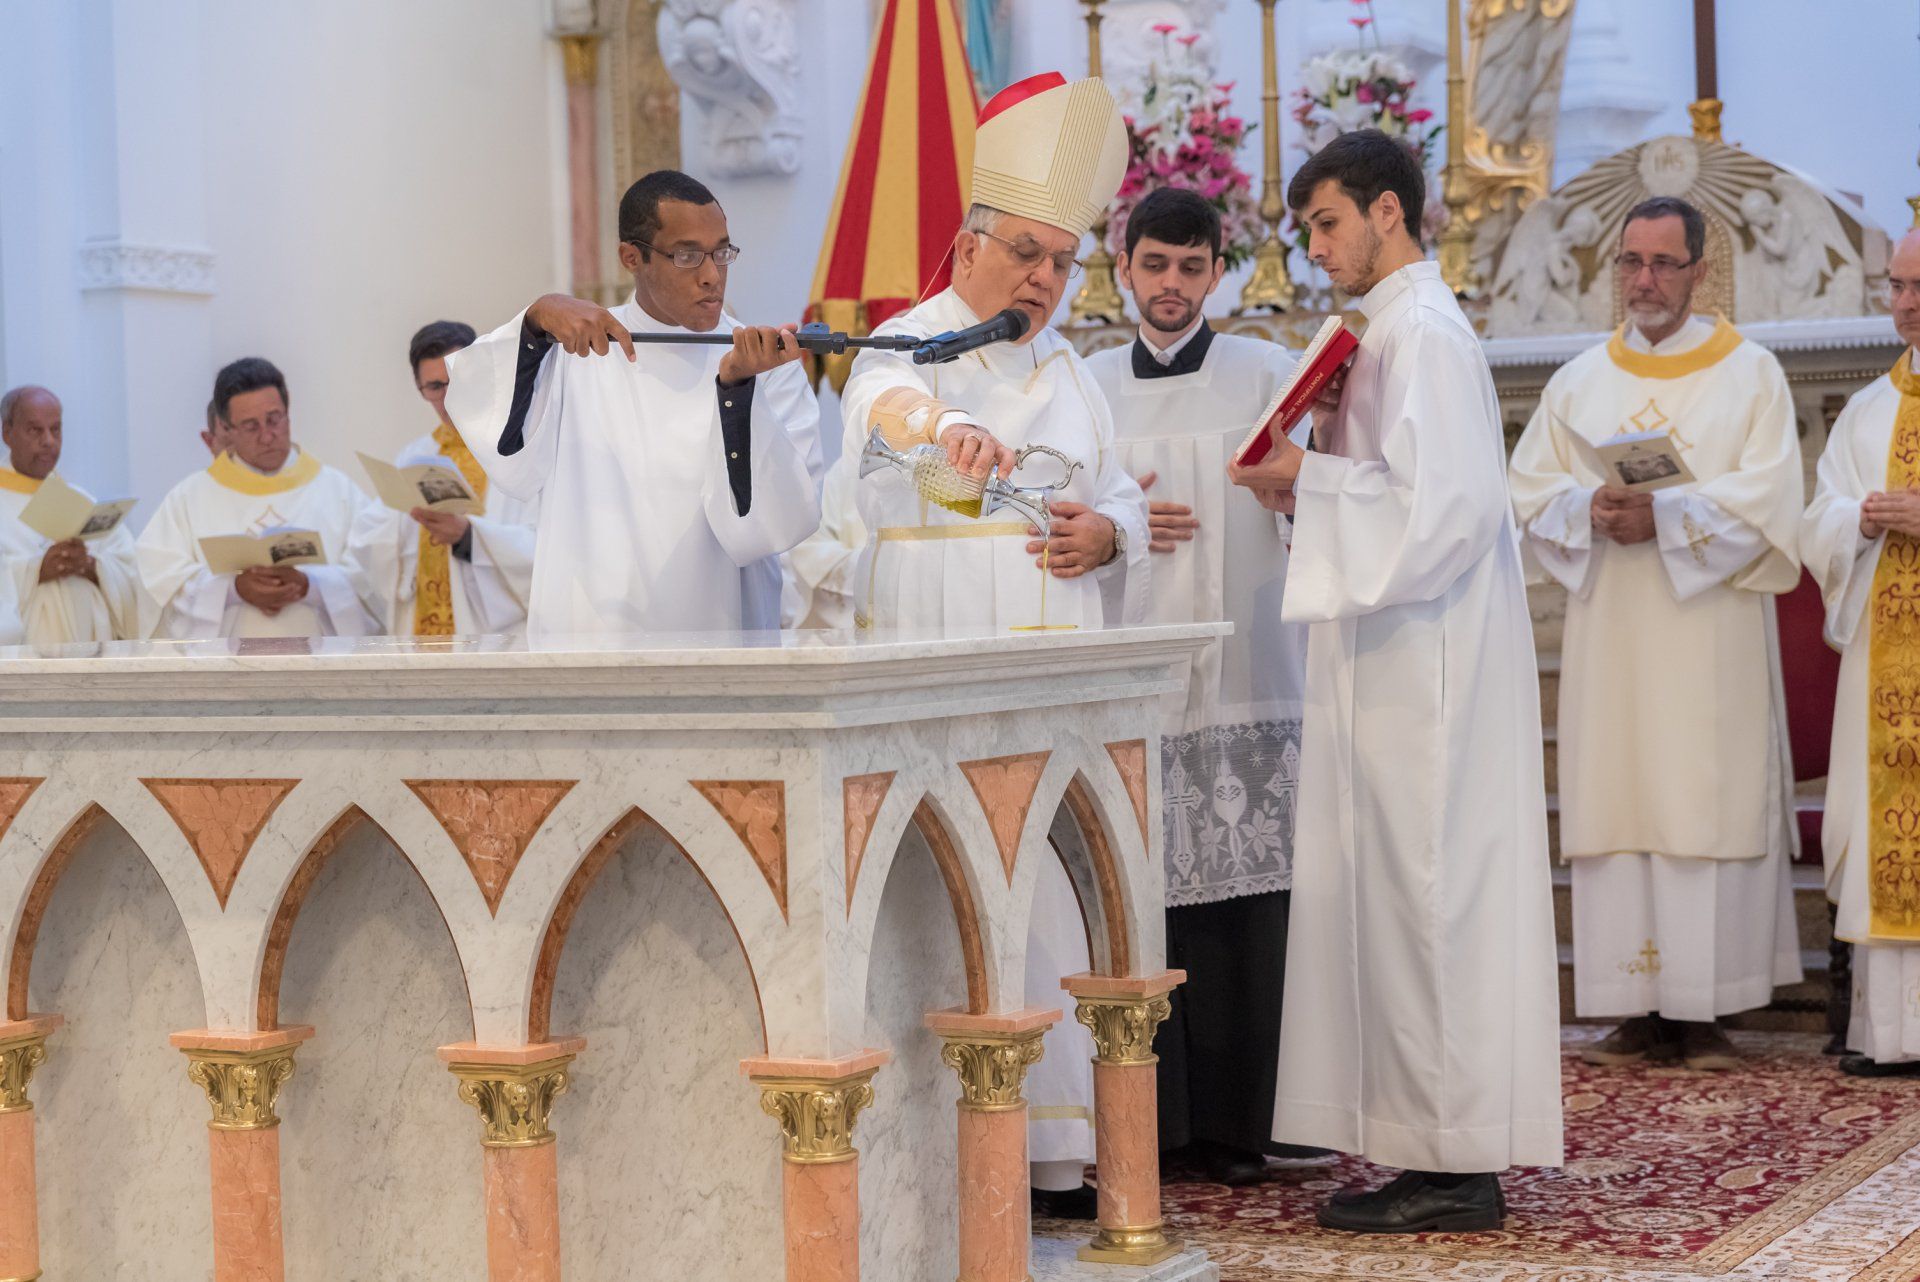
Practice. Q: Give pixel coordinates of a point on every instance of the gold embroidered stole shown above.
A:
(433, 579)
(1893, 696)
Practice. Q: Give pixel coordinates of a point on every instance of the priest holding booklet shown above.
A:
(59, 587)
(1676, 805)
(463, 565)
(1422, 1020)
(263, 484)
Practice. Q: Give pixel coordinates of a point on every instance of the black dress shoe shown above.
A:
(1066, 1204)
(1413, 1204)
(1861, 1066)
(1234, 1169)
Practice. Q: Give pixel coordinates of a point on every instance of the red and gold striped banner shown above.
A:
(903, 184)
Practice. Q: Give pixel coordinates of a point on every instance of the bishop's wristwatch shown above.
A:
(1119, 541)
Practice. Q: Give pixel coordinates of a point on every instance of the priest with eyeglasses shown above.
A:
(669, 476)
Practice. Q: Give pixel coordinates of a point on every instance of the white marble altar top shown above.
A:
(772, 680)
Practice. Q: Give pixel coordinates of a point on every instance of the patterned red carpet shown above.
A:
(1783, 1170)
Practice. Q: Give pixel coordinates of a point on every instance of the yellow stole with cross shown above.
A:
(433, 579)
(1893, 695)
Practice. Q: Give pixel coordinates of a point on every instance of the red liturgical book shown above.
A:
(1329, 350)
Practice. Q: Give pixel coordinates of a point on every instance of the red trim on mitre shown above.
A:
(1019, 91)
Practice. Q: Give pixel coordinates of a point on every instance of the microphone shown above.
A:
(1008, 326)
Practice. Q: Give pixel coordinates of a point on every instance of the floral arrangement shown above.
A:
(1186, 135)
(1362, 88)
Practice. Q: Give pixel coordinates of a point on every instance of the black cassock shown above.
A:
(1219, 1049)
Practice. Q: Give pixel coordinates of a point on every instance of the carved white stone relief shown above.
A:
(1779, 246)
(114, 264)
(739, 62)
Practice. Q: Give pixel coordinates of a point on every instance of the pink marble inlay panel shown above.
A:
(822, 1221)
(1004, 787)
(19, 1198)
(756, 810)
(523, 1214)
(221, 819)
(491, 822)
(246, 1205)
(860, 797)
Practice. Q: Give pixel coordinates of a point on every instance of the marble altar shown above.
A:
(705, 930)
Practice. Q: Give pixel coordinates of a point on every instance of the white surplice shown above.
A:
(638, 530)
(1230, 748)
(231, 498)
(490, 591)
(1886, 974)
(924, 567)
(1421, 1021)
(73, 609)
(1676, 791)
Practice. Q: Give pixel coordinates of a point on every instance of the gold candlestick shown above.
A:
(1269, 285)
(1099, 301)
(1456, 242)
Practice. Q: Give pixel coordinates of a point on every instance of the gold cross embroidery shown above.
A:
(1697, 539)
(267, 520)
(1646, 961)
(1651, 418)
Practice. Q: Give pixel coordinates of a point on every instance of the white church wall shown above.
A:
(304, 182)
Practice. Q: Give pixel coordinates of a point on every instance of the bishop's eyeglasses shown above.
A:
(1028, 253)
(688, 259)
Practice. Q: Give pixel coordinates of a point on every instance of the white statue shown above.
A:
(1540, 276)
(1791, 272)
(740, 61)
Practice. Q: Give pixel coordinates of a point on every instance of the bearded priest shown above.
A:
(1676, 794)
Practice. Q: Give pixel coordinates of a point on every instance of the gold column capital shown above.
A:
(580, 51)
(992, 1067)
(242, 1086)
(1913, 203)
(515, 1101)
(1123, 1027)
(20, 1055)
(1705, 113)
(817, 1114)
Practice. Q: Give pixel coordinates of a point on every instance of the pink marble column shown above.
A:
(23, 1048)
(514, 1087)
(1123, 1014)
(581, 53)
(991, 1054)
(816, 1102)
(242, 1074)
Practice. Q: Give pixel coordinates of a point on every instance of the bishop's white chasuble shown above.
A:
(231, 498)
(923, 567)
(1873, 784)
(1422, 1023)
(1676, 792)
(72, 609)
(1230, 749)
(423, 589)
